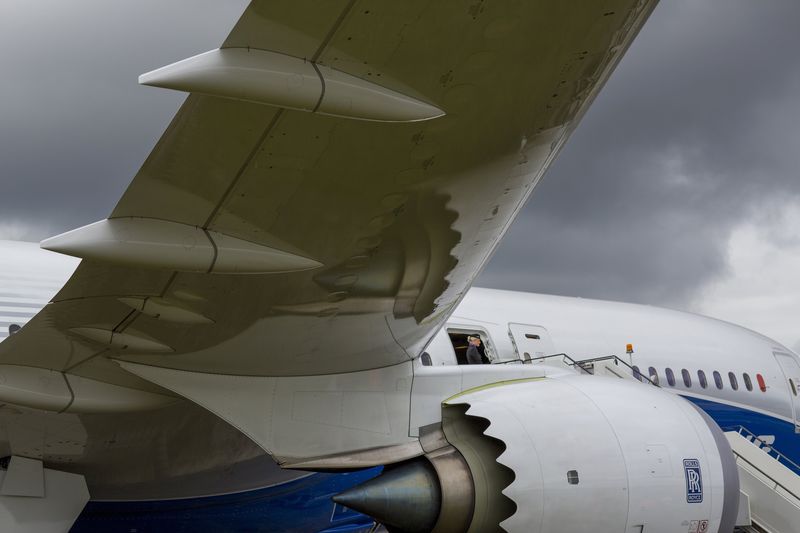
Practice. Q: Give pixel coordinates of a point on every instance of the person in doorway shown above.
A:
(473, 354)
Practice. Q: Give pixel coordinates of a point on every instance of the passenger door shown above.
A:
(530, 341)
(791, 370)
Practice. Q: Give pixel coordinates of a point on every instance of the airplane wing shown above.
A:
(337, 177)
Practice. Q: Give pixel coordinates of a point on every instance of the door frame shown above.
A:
(544, 334)
(794, 399)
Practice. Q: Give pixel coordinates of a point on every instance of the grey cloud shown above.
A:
(697, 130)
(75, 125)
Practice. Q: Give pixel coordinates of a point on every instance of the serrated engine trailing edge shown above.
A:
(583, 454)
(592, 454)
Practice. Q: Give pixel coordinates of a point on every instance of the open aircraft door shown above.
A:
(791, 370)
(530, 341)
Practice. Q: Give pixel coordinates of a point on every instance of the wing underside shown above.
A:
(391, 209)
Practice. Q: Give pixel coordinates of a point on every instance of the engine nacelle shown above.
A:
(578, 454)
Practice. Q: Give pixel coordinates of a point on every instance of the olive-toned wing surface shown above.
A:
(335, 181)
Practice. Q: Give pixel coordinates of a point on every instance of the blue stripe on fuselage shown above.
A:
(730, 418)
(299, 505)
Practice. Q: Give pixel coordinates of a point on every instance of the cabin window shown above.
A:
(761, 383)
(653, 375)
(687, 378)
(425, 358)
(637, 374)
(793, 386)
(747, 383)
(701, 377)
(458, 338)
(670, 377)
(717, 380)
(734, 381)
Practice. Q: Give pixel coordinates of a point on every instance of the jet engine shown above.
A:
(578, 454)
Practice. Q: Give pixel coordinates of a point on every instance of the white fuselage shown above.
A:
(29, 278)
(750, 378)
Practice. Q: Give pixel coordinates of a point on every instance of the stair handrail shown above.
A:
(617, 361)
(567, 360)
(781, 458)
(583, 364)
(772, 479)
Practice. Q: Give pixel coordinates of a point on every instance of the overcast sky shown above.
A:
(681, 187)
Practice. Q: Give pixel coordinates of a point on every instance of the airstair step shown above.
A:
(772, 489)
(749, 529)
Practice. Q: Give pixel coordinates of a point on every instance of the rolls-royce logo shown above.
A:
(694, 481)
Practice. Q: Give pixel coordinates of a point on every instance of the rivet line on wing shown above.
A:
(278, 114)
(242, 168)
(324, 44)
(240, 172)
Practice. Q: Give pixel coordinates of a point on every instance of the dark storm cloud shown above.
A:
(74, 124)
(697, 131)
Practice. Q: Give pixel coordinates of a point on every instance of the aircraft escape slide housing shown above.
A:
(582, 454)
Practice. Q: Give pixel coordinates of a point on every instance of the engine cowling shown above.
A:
(578, 454)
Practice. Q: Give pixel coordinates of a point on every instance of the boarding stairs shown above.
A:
(770, 489)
